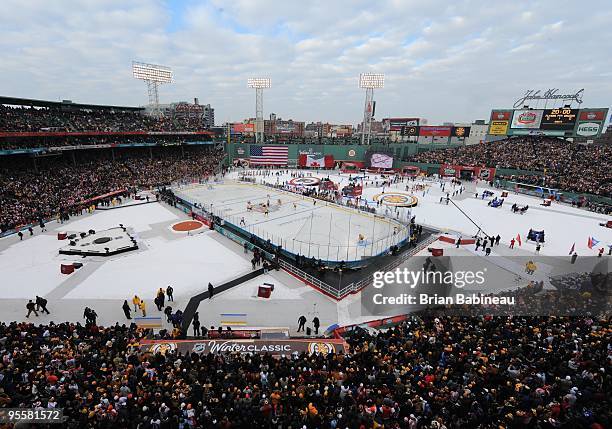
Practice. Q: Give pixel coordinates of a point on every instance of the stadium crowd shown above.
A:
(24, 119)
(432, 371)
(564, 165)
(107, 141)
(59, 186)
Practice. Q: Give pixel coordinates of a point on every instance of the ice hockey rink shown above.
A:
(301, 225)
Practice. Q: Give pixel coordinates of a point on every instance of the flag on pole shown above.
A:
(518, 239)
(572, 249)
(592, 242)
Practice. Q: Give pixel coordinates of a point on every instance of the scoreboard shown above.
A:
(559, 119)
(559, 122)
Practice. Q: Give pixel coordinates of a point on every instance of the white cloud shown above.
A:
(443, 61)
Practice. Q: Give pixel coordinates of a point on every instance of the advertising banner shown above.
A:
(551, 133)
(529, 119)
(381, 160)
(242, 346)
(588, 129)
(499, 128)
(559, 119)
(593, 114)
(501, 115)
(411, 130)
(396, 124)
(243, 128)
(435, 131)
(460, 132)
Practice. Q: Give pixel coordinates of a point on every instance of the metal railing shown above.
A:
(355, 286)
(309, 279)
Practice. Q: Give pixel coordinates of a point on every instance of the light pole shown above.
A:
(369, 82)
(259, 83)
(154, 75)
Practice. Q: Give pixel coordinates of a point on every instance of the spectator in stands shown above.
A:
(437, 369)
(555, 163)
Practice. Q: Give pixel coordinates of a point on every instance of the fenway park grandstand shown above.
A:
(305, 215)
(161, 272)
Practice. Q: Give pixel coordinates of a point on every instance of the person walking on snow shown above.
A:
(143, 307)
(196, 324)
(41, 304)
(158, 303)
(170, 293)
(316, 323)
(301, 323)
(31, 307)
(168, 313)
(136, 302)
(126, 309)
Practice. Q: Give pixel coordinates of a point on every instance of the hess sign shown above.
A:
(559, 119)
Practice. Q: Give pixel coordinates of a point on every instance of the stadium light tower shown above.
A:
(154, 75)
(259, 83)
(369, 81)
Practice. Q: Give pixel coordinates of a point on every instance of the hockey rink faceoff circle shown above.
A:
(396, 199)
(186, 226)
(305, 181)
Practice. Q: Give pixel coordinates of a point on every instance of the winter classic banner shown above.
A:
(273, 347)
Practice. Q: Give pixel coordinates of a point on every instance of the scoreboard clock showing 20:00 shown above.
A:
(559, 119)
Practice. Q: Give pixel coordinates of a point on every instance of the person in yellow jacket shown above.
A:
(136, 302)
(530, 267)
(143, 308)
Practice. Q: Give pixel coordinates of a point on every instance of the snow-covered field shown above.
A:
(32, 266)
(188, 264)
(138, 217)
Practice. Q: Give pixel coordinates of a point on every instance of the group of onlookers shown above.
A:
(59, 185)
(561, 164)
(437, 369)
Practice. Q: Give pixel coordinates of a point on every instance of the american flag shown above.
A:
(268, 155)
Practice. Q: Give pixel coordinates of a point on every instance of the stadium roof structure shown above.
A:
(66, 104)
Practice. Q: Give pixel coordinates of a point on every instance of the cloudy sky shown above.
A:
(443, 60)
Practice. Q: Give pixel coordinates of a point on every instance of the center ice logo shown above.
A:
(305, 181)
(397, 199)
